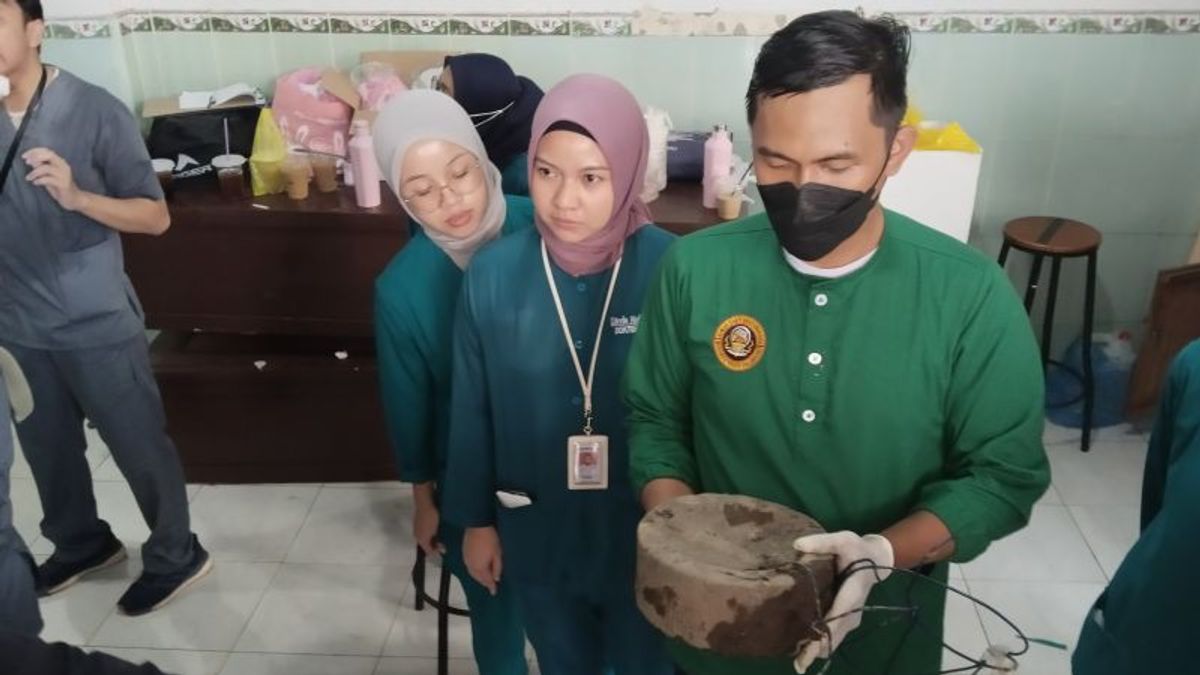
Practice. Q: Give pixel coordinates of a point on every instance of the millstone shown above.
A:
(719, 573)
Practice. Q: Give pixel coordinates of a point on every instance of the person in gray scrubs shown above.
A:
(80, 176)
(18, 600)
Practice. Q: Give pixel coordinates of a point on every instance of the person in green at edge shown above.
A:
(432, 158)
(545, 324)
(874, 374)
(1145, 622)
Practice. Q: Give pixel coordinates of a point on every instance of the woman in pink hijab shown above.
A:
(538, 456)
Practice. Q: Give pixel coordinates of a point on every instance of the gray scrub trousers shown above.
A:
(18, 595)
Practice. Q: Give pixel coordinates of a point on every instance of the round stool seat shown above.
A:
(1052, 236)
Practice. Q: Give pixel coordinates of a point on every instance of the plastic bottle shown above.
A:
(366, 169)
(718, 162)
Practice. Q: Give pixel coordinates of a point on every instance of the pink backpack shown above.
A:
(310, 117)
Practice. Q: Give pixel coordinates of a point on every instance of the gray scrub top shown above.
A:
(62, 274)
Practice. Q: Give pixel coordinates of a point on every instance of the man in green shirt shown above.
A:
(841, 359)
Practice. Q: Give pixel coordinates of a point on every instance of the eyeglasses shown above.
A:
(426, 196)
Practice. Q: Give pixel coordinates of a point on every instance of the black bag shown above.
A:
(192, 139)
(685, 156)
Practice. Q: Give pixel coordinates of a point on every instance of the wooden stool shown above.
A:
(441, 604)
(1059, 238)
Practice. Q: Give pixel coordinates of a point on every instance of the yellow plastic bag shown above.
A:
(266, 159)
(938, 135)
(912, 117)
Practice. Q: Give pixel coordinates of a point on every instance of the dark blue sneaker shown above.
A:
(151, 591)
(55, 576)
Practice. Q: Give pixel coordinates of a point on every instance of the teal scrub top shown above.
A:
(517, 399)
(1147, 619)
(515, 175)
(415, 297)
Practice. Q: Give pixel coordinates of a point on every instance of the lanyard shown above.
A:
(16, 143)
(585, 383)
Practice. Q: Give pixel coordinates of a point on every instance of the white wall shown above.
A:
(86, 8)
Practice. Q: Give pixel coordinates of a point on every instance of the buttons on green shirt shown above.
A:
(808, 416)
(581, 287)
(820, 300)
(815, 359)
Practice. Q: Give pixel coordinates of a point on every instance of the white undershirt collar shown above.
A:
(811, 270)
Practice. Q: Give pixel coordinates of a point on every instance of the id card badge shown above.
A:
(587, 463)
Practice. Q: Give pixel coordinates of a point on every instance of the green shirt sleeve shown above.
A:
(996, 465)
(470, 465)
(657, 386)
(407, 389)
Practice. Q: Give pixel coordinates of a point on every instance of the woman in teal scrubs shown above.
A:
(1147, 621)
(434, 161)
(538, 467)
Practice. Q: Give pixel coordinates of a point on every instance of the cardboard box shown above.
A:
(407, 63)
(937, 188)
(230, 97)
(169, 105)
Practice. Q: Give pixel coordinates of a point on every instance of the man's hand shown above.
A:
(863, 556)
(53, 173)
(482, 554)
(662, 490)
(133, 216)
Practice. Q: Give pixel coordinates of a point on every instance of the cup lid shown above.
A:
(228, 161)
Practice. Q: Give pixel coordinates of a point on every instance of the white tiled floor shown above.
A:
(313, 579)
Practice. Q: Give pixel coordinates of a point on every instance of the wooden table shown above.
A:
(274, 265)
(679, 209)
(256, 298)
(266, 265)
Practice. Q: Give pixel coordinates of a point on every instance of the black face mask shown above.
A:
(813, 219)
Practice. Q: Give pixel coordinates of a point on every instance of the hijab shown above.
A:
(612, 118)
(501, 103)
(417, 116)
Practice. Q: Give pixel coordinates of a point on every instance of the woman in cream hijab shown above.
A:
(433, 159)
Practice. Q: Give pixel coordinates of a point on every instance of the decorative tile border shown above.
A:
(641, 23)
(359, 25)
(539, 25)
(241, 23)
(601, 25)
(479, 25)
(79, 29)
(299, 23)
(183, 23)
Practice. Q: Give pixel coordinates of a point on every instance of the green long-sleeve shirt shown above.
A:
(911, 384)
(415, 301)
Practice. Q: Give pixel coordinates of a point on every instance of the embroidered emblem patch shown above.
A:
(740, 342)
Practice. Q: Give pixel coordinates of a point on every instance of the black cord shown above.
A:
(975, 665)
(912, 626)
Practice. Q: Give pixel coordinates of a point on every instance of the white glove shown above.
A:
(845, 615)
(19, 395)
